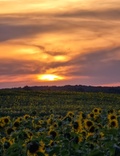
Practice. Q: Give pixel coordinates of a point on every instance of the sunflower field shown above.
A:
(46, 123)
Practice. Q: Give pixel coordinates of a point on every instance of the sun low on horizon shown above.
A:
(59, 42)
(49, 77)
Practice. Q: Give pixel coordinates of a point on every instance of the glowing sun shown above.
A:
(49, 77)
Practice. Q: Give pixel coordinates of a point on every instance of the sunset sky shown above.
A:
(59, 42)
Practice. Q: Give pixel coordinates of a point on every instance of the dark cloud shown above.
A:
(107, 14)
(9, 31)
(20, 67)
(14, 27)
(28, 25)
(52, 53)
(98, 64)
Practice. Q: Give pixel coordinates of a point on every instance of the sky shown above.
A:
(59, 42)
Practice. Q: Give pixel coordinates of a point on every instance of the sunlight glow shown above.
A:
(49, 77)
(60, 58)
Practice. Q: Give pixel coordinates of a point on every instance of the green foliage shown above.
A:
(15, 150)
(96, 152)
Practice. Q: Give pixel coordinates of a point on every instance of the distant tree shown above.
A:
(26, 88)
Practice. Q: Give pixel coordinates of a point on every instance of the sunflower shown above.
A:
(113, 123)
(7, 143)
(77, 126)
(92, 129)
(6, 119)
(84, 133)
(16, 124)
(19, 119)
(49, 121)
(55, 125)
(88, 124)
(70, 114)
(91, 115)
(9, 130)
(26, 116)
(112, 116)
(2, 124)
(3, 140)
(52, 133)
(96, 110)
(32, 147)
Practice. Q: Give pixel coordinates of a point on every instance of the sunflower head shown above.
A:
(33, 146)
(9, 130)
(49, 121)
(112, 116)
(26, 116)
(113, 123)
(16, 124)
(84, 133)
(88, 123)
(6, 120)
(55, 125)
(76, 125)
(70, 114)
(91, 115)
(97, 110)
(52, 143)
(92, 129)
(52, 133)
(7, 144)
